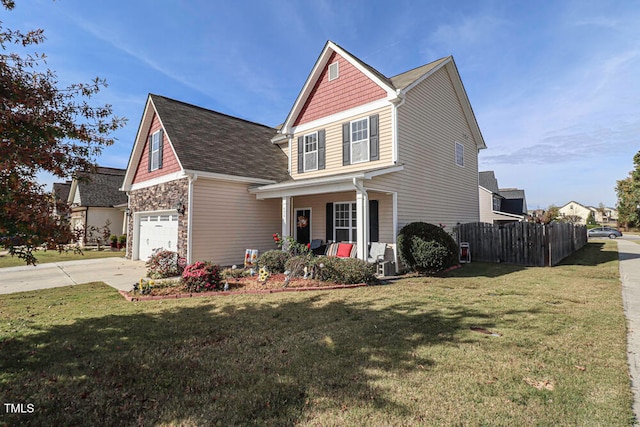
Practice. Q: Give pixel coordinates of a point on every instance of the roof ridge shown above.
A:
(211, 111)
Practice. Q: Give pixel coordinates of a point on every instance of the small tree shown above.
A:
(551, 214)
(43, 127)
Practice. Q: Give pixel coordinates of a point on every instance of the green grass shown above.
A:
(401, 354)
(55, 256)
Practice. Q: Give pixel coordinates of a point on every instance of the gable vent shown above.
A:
(333, 71)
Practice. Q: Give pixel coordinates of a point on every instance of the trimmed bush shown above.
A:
(296, 264)
(426, 248)
(201, 277)
(274, 261)
(344, 270)
(163, 264)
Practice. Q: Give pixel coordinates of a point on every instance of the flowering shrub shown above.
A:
(290, 245)
(164, 264)
(201, 277)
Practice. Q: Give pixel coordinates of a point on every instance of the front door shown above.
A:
(303, 226)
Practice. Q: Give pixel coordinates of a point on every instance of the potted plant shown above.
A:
(114, 241)
(122, 241)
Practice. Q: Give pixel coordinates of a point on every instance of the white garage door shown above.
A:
(157, 231)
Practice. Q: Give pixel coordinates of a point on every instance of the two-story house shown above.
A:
(358, 156)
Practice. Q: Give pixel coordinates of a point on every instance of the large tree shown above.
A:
(628, 191)
(43, 127)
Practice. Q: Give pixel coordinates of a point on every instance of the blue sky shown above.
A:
(555, 85)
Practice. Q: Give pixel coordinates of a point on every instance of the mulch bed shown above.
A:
(244, 285)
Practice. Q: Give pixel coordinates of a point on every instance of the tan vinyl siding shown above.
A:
(432, 188)
(227, 220)
(318, 205)
(486, 205)
(334, 147)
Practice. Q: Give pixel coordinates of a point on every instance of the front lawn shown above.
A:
(416, 352)
(55, 256)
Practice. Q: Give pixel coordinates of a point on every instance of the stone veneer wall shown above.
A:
(161, 197)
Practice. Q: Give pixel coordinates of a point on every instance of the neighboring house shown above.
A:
(575, 212)
(606, 216)
(358, 156)
(60, 196)
(500, 206)
(96, 199)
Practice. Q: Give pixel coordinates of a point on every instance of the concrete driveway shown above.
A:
(117, 272)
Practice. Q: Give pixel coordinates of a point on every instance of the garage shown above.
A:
(157, 230)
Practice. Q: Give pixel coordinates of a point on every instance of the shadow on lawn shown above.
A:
(271, 363)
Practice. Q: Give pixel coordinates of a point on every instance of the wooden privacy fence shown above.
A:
(522, 243)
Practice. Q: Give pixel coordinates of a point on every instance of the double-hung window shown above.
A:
(344, 223)
(360, 140)
(156, 146)
(311, 152)
(459, 154)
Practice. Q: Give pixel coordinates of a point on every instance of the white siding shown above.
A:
(227, 220)
(432, 188)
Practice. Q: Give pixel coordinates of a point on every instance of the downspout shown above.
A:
(192, 179)
(394, 116)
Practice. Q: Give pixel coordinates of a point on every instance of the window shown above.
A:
(333, 71)
(344, 224)
(360, 141)
(155, 151)
(459, 154)
(311, 152)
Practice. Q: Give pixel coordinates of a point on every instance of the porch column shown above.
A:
(362, 221)
(286, 216)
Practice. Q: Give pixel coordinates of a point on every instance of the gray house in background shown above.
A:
(500, 206)
(95, 200)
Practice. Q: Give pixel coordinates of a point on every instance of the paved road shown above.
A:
(117, 272)
(629, 255)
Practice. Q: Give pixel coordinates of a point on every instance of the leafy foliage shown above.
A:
(291, 245)
(43, 127)
(426, 248)
(163, 264)
(274, 261)
(628, 191)
(344, 270)
(202, 277)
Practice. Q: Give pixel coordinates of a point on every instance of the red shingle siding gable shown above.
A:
(169, 161)
(351, 89)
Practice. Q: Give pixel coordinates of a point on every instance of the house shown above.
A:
(60, 196)
(358, 156)
(575, 212)
(500, 206)
(578, 213)
(95, 200)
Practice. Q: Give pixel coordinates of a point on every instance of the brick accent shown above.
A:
(351, 89)
(169, 162)
(161, 197)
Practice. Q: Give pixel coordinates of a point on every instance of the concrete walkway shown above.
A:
(629, 255)
(117, 272)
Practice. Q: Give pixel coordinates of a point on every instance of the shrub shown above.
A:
(426, 248)
(201, 277)
(274, 261)
(296, 265)
(163, 264)
(344, 270)
(291, 245)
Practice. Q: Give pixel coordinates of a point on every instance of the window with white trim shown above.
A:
(155, 151)
(334, 71)
(311, 152)
(344, 222)
(459, 154)
(360, 140)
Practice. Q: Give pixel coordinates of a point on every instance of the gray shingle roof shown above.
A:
(61, 190)
(401, 81)
(101, 189)
(487, 179)
(517, 201)
(208, 141)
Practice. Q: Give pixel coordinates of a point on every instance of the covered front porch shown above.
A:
(344, 208)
